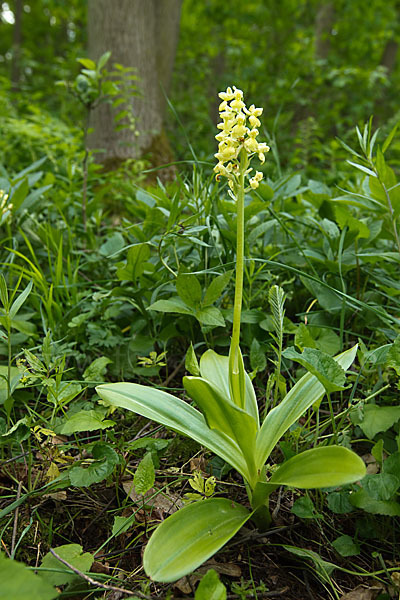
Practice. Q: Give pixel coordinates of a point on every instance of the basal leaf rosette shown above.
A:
(238, 140)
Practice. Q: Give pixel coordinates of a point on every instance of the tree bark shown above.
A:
(323, 25)
(16, 48)
(143, 35)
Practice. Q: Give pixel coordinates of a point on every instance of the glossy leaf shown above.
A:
(190, 536)
(237, 385)
(215, 368)
(221, 414)
(307, 391)
(328, 466)
(176, 414)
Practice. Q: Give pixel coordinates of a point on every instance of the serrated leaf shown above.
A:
(210, 587)
(144, 475)
(320, 364)
(72, 553)
(19, 583)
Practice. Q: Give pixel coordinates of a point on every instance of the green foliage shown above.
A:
(18, 582)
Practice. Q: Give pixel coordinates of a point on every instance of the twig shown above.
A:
(15, 526)
(172, 375)
(97, 583)
(271, 594)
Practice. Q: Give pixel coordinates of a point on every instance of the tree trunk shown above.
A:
(16, 48)
(140, 34)
(323, 27)
(389, 56)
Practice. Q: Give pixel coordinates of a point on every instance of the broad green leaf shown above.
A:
(320, 364)
(122, 524)
(72, 553)
(174, 305)
(216, 288)
(362, 499)
(211, 316)
(215, 368)
(190, 536)
(393, 355)
(87, 62)
(144, 475)
(135, 263)
(221, 414)
(97, 369)
(189, 290)
(346, 546)
(210, 587)
(392, 464)
(306, 392)
(303, 338)
(381, 486)
(85, 420)
(258, 360)
(176, 414)
(328, 466)
(105, 459)
(339, 502)
(19, 583)
(112, 245)
(304, 508)
(378, 418)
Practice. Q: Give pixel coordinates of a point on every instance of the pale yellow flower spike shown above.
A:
(235, 134)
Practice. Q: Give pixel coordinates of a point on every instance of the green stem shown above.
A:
(237, 307)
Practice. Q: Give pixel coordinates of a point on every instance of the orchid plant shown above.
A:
(227, 419)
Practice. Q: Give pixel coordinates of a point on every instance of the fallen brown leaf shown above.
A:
(363, 593)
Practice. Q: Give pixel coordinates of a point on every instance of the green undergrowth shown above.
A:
(136, 296)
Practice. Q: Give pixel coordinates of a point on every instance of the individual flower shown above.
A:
(255, 181)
